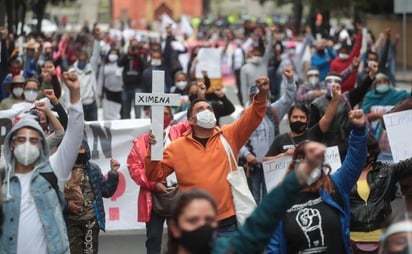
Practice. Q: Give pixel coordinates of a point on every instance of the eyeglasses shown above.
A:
(23, 139)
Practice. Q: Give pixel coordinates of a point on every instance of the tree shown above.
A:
(325, 7)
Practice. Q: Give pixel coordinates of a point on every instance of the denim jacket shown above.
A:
(45, 198)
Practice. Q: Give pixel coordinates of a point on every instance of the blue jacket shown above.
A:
(255, 234)
(101, 187)
(344, 179)
(321, 62)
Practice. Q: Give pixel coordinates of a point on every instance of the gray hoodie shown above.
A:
(26, 122)
(45, 199)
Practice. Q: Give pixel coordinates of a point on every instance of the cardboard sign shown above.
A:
(274, 171)
(398, 127)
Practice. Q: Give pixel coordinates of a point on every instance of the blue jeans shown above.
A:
(128, 97)
(90, 111)
(154, 233)
(257, 183)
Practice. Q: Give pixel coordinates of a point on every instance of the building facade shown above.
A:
(144, 12)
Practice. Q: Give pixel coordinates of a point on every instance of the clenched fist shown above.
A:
(357, 118)
(288, 72)
(71, 80)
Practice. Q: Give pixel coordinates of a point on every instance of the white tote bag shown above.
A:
(242, 197)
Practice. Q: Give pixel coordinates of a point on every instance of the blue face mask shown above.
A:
(81, 64)
(382, 88)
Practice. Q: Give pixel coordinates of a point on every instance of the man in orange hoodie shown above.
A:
(199, 159)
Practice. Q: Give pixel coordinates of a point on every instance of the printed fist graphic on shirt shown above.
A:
(310, 221)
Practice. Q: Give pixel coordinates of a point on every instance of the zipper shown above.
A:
(367, 216)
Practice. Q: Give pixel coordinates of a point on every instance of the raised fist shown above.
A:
(356, 117)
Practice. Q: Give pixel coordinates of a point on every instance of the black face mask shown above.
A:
(298, 126)
(320, 52)
(197, 241)
(81, 158)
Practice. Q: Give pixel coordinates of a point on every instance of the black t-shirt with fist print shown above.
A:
(312, 226)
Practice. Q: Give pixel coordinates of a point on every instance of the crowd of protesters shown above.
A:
(334, 91)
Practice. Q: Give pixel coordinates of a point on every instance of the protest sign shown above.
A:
(157, 99)
(113, 139)
(210, 60)
(108, 139)
(274, 171)
(398, 126)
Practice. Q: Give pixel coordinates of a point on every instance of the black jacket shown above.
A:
(132, 72)
(368, 216)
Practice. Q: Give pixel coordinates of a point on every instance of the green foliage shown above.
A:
(369, 6)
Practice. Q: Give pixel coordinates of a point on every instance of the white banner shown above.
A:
(274, 171)
(398, 126)
(113, 139)
(110, 139)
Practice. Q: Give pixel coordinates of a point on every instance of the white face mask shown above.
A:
(181, 85)
(18, 91)
(206, 119)
(343, 56)
(26, 154)
(256, 59)
(113, 57)
(314, 176)
(313, 81)
(156, 62)
(30, 95)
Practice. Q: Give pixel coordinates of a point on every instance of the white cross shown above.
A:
(157, 99)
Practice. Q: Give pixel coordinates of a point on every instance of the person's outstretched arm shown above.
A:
(282, 106)
(356, 95)
(355, 159)
(255, 234)
(63, 160)
(108, 186)
(331, 110)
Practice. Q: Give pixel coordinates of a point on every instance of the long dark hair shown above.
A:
(182, 202)
(323, 182)
(300, 107)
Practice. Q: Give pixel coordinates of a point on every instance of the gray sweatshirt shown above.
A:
(250, 72)
(263, 136)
